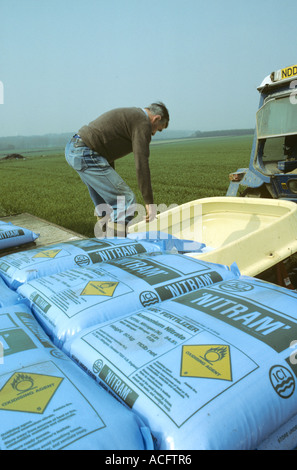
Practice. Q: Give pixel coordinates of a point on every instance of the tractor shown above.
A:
(272, 171)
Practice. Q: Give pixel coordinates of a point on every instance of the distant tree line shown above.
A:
(34, 141)
(230, 132)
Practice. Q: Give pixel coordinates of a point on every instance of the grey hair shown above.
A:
(159, 108)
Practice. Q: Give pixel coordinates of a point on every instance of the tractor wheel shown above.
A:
(256, 192)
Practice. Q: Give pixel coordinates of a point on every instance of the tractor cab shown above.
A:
(272, 170)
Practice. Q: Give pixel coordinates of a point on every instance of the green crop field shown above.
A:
(182, 170)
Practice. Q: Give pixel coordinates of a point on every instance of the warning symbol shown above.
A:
(47, 254)
(100, 288)
(28, 392)
(207, 361)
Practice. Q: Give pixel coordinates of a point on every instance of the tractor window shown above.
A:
(273, 149)
(277, 155)
(277, 117)
(278, 148)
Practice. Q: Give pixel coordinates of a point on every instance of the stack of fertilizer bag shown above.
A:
(48, 402)
(198, 353)
(11, 235)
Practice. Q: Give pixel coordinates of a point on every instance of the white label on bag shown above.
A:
(166, 357)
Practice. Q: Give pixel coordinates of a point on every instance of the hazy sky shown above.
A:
(64, 62)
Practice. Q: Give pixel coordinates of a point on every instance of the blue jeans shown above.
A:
(105, 186)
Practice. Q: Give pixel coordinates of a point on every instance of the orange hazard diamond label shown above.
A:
(100, 288)
(206, 361)
(28, 392)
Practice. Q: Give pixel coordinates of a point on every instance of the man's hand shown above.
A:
(151, 212)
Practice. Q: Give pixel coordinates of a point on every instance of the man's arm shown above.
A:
(140, 144)
(151, 212)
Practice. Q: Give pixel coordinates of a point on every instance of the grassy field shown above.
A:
(44, 185)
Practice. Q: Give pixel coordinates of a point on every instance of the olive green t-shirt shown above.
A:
(119, 132)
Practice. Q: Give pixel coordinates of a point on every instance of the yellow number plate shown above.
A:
(289, 72)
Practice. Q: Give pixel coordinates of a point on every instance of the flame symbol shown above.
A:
(215, 354)
(22, 383)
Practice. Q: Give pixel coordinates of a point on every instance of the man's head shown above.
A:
(159, 116)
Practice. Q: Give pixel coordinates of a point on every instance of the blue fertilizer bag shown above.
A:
(12, 235)
(210, 370)
(69, 301)
(18, 268)
(169, 242)
(7, 295)
(285, 438)
(48, 403)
